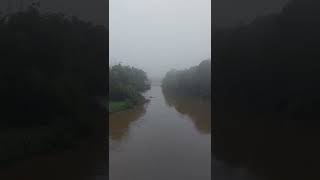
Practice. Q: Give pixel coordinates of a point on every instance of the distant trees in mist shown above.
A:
(193, 81)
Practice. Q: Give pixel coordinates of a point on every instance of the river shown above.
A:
(167, 138)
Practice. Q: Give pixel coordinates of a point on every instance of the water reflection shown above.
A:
(158, 142)
(197, 109)
(120, 122)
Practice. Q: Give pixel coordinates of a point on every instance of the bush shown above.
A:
(126, 83)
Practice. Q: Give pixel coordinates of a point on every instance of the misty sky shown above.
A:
(158, 35)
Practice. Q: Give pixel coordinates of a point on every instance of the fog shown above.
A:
(158, 35)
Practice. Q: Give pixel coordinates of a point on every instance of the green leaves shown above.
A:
(126, 82)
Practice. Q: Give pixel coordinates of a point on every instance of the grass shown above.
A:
(115, 106)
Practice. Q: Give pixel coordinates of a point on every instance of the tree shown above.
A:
(193, 81)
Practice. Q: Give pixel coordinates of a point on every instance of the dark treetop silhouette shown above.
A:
(52, 69)
(267, 91)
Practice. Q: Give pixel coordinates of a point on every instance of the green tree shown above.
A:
(194, 81)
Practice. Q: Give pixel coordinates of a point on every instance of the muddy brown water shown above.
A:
(167, 138)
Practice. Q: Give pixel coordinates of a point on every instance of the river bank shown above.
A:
(171, 131)
(116, 106)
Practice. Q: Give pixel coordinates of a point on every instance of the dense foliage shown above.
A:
(52, 70)
(193, 81)
(271, 64)
(126, 83)
(267, 86)
(50, 65)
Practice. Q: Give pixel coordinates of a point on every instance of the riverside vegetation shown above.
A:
(52, 77)
(175, 123)
(195, 81)
(125, 87)
(267, 95)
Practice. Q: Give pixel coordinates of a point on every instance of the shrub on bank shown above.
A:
(125, 86)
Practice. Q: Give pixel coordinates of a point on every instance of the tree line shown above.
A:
(267, 85)
(52, 69)
(126, 83)
(194, 81)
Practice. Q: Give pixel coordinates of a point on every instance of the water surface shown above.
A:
(167, 138)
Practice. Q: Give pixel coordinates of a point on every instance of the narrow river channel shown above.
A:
(167, 138)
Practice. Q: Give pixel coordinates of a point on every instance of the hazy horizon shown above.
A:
(159, 35)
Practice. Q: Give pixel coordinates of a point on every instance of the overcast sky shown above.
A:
(158, 35)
